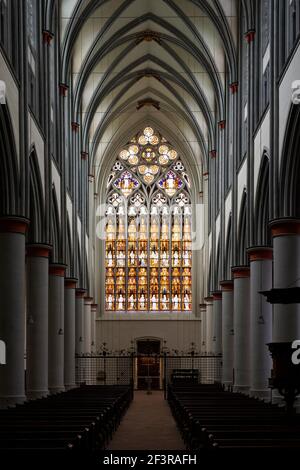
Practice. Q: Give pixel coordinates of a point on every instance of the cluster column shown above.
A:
(56, 327)
(261, 320)
(37, 265)
(209, 325)
(12, 308)
(203, 328)
(217, 323)
(88, 325)
(93, 328)
(79, 318)
(286, 273)
(227, 333)
(69, 343)
(241, 325)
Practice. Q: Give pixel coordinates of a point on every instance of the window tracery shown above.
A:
(148, 252)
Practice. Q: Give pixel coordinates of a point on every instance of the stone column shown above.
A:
(261, 320)
(227, 333)
(79, 333)
(209, 325)
(87, 325)
(56, 328)
(286, 273)
(12, 308)
(93, 328)
(79, 321)
(37, 320)
(69, 342)
(203, 328)
(241, 325)
(217, 323)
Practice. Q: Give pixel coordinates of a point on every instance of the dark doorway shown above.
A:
(148, 364)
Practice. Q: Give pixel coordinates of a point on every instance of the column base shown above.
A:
(35, 394)
(262, 394)
(5, 402)
(241, 389)
(54, 390)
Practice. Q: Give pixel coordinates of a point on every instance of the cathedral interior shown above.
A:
(149, 223)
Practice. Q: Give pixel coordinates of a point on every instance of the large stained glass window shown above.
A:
(148, 245)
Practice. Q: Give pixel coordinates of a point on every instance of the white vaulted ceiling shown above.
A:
(161, 61)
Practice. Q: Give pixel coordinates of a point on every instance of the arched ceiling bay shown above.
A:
(168, 61)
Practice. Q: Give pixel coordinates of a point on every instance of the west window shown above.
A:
(148, 248)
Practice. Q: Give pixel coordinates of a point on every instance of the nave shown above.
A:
(149, 223)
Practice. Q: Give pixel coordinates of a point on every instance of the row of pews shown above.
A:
(210, 418)
(78, 422)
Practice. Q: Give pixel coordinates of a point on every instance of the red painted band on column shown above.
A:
(57, 270)
(80, 293)
(241, 272)
(14, 225)
(227, 286)
(285, 227)
(260, 253)
(38, 251)
(217, 295)
(70, 283)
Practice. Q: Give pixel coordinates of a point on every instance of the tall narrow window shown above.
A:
(148, 229)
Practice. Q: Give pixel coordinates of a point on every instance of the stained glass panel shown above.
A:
(148, 249)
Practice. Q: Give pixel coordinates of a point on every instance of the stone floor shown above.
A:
(147, 425)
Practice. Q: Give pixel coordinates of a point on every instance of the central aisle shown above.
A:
(148, 425)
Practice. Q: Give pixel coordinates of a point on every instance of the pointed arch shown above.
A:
(290, 167)
(242, 231)
(262, 203)
(36, 202)
(55, 229)
(69, 257)
(9, 174)
(228, 249)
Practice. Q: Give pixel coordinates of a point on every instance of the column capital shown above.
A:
(14, 224)
(234, 87)
(58, 270)
(47, 36)
(217, 295)
(70, 282)
(285, 227)
(80, 293)
(260, 253)
(203, 306)
(38, 250)
(88, 300)
(250, 35)
(75, 126)
(227, 286)
(222, 124)
(63, 89)
(213, 153)
(94, 306)
(208, 300)
(84, 155)
(241, 272)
